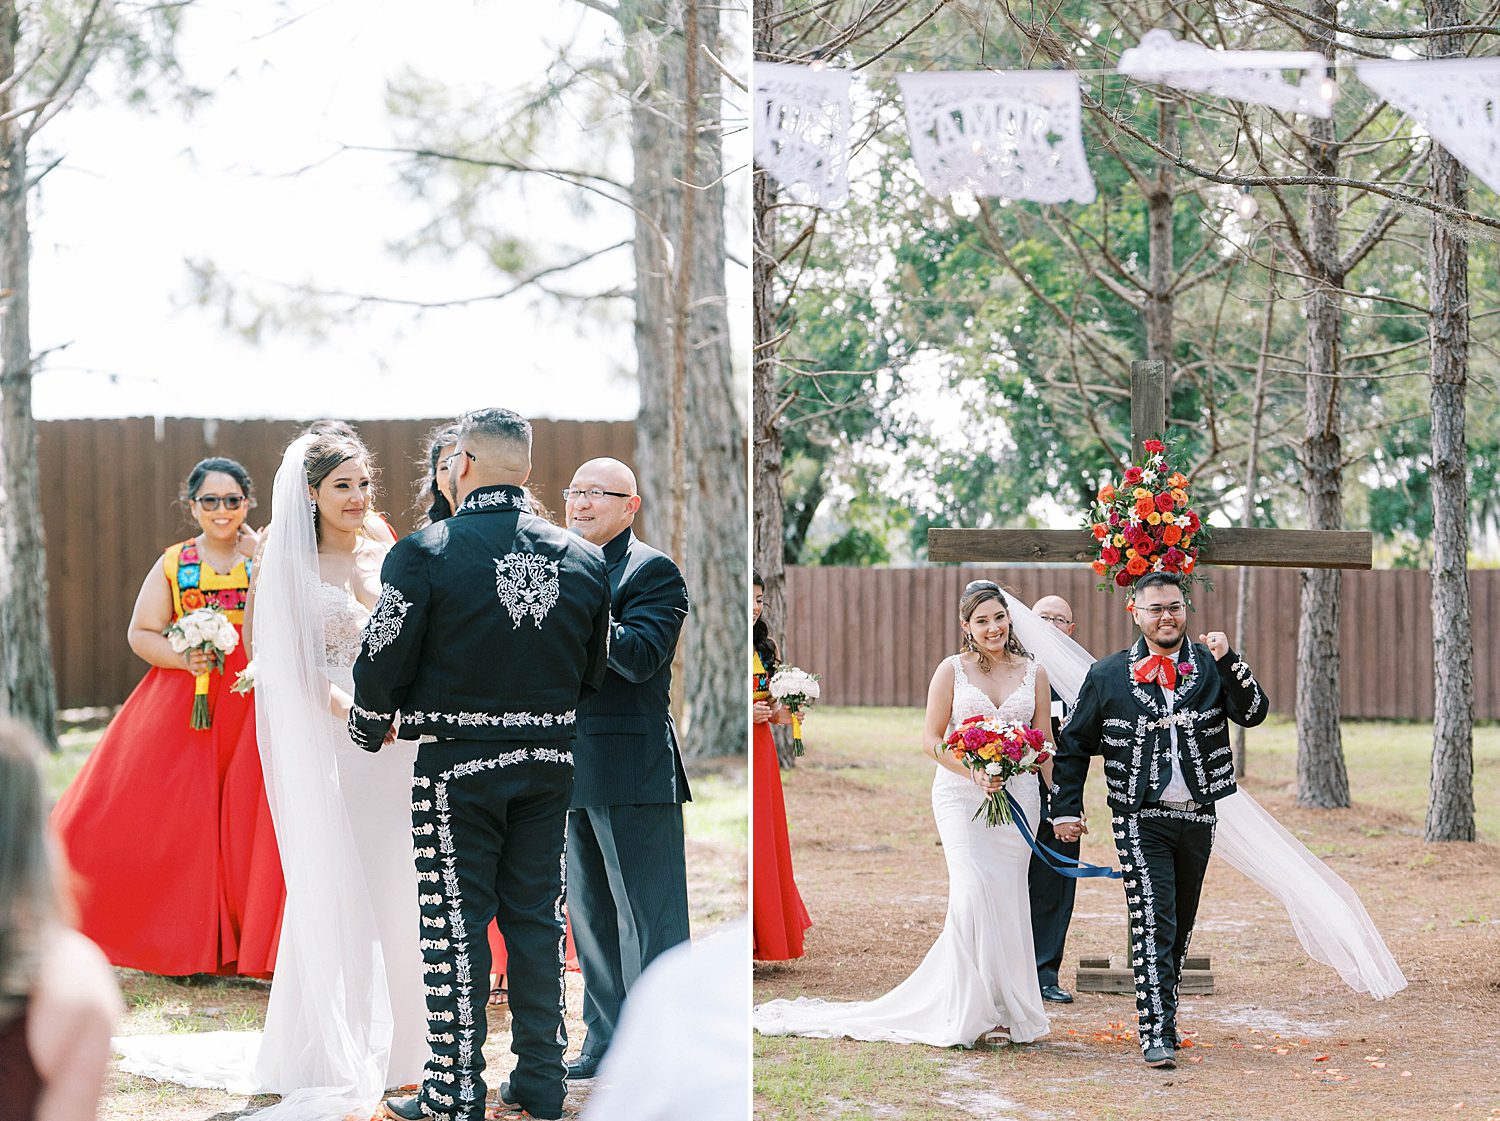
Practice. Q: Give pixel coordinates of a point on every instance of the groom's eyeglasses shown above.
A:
(448, 463)
(210, 502)
(1156, 611)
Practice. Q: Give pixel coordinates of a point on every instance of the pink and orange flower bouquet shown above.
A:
(997, 747)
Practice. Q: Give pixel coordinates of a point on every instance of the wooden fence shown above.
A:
(109, 507)
(875, 634)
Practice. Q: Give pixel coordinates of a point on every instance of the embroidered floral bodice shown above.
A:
(970, 700)
(343, 629)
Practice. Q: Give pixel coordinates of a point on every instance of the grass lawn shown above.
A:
(1281, 1037)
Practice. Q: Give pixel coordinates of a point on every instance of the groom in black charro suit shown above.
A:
(627, 873)
(491, 625)
(1159, 713)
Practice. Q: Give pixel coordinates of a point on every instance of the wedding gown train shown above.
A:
(981, 972)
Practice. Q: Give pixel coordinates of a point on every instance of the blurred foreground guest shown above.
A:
(58, 1000)
(682, 1051)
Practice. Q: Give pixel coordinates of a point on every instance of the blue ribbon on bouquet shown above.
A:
(1073, 869)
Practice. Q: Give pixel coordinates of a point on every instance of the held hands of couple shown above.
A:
(1069, 830)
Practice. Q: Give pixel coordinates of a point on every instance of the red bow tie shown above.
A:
(1158, 668)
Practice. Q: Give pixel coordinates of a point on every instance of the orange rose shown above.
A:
(1178, 479)
(1101, 531)
(1107, 493)
(1100, 568)
(1145, 507)
(1171, 535)
(1179, 496)
(1137, 566)
(1154, 519)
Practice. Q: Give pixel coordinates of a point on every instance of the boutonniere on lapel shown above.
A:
(1187, 671)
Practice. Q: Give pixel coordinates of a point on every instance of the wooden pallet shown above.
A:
(1113, 975)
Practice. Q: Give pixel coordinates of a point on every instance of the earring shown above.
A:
(313, 505)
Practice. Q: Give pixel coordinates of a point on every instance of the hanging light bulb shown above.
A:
(977, 147)
(1328, 88)
(1246, 206)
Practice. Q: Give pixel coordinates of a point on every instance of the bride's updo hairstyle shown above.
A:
(334, 442)
(983, 591)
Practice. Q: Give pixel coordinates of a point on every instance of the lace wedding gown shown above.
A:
(981, 972)
(376, 792)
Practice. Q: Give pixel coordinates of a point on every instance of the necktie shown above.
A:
(1158, 668)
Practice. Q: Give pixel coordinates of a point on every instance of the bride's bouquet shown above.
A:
(997, 747)
(795, 689)
(207, 629)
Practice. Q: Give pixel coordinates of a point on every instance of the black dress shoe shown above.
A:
(582, 1068)
(406, 1109)
(1056, 994)
(1163, 1058)
(506, 1098)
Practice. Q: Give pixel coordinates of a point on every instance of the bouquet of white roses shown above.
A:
(795, 689)
(207, 629)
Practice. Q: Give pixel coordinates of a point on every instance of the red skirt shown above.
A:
(780, 916)
(168, 836)
(498, 955)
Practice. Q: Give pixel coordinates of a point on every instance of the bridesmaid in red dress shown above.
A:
(166, 829)
(780, 916)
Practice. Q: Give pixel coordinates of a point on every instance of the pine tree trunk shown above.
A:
(1247, 519)
(1450, 809)
(27, 689)
(1321, 778)
(765, 431)
(689, 452)
(1160, 201)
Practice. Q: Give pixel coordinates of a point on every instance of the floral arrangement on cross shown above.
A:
(1144, 523)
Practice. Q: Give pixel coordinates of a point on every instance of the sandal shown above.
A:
(499, 996)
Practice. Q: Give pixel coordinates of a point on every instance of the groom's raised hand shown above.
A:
(1217, 643)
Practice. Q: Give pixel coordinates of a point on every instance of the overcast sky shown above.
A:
(252, 181)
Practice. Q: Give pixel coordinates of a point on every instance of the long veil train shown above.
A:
(329, 1024)
(1327, 916)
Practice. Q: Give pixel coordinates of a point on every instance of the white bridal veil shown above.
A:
(328, 1027)
(1326, 915)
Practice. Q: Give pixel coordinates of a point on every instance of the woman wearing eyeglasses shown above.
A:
(166, 828)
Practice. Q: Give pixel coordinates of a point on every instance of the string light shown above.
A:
(1328, 88)
(1246, 206)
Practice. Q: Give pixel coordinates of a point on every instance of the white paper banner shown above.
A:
(1456, 100)
(1015, 135)
(801, 128)
(1254, 76)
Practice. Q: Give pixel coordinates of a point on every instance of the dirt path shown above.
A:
(1281, 1037)
(716, 826)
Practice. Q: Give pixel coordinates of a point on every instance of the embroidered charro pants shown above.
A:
(1163, 853)
(627, 897)
(489, 826)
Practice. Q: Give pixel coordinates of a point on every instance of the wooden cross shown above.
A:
(1264, 548)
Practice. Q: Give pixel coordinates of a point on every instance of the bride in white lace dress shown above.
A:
(979, 979)
(347, 1016)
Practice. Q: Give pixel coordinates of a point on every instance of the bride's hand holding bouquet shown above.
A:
(998, 750)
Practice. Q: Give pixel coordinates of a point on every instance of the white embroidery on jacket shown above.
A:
(528, 586)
